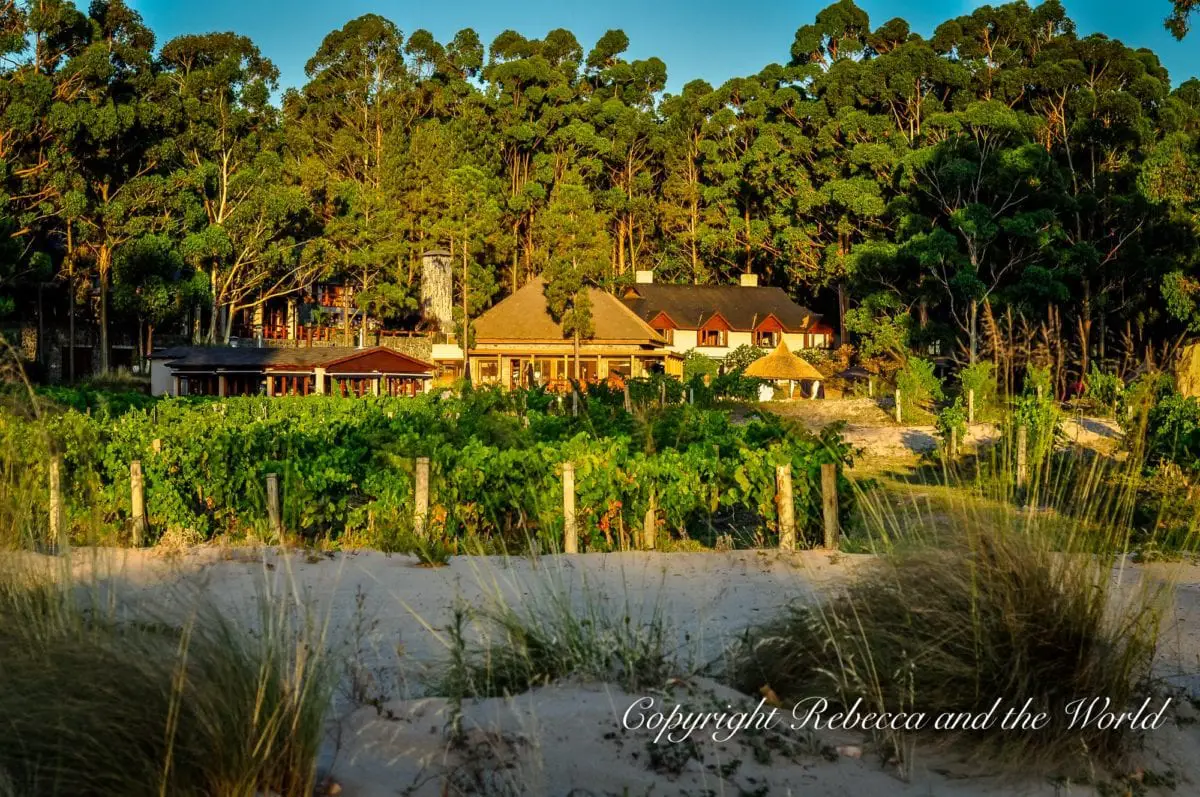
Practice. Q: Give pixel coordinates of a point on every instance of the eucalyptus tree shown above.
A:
(357, 103)
(621, 108)
(573, 250)
(532, 87)
(109, 117)
(238, 219)
(984, 199)
(686, 220)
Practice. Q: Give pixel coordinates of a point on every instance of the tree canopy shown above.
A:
(1003, 178)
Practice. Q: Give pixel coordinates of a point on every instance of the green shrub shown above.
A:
(952, 423)
(1104, 389)
(918, 385)
(740, 358)
(981, 378)
(696, 364)
(1173, 432)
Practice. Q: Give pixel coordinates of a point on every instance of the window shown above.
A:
(766, 340)
(668, 335)
(713, 338)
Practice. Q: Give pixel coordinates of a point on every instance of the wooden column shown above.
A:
(570, 528)
(785, 507)
(222, 385)
(137, 502)
(421, 506)
(898, 415)
(829, 505)
(970, 406)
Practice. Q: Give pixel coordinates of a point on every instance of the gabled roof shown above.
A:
(689, 306)
(525, 316)
(344, 359)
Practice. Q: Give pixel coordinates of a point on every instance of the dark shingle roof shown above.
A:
(689, 306)
(274, 357)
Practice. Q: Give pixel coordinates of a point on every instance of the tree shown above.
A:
(472, 227)
(237, 218)
(110, 119)
(1180, 20)
(573, 238)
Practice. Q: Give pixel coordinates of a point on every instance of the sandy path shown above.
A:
(878, 436)
(568, 738)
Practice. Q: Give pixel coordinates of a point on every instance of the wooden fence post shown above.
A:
(829, 505)
(570, 530)
(953, 451)
(58, 531)
(691, 395)
(650, 523)
(421, 506)
(898, 416)
(786, 507)
(628, 400)
(574, 402)
(1022, 446)
(274, 519)
(870, 387)
(137, 502)
(970, 406)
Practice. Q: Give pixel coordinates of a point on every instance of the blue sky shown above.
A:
(709, 39)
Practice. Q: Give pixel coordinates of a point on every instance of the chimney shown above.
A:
(644, 277)
(749, 281)
(437, 295)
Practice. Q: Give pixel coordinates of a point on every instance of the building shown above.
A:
(517, 342)
(280, 371)
(716, 319)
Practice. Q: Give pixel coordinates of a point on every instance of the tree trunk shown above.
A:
(841, 299)
(973, 332)
(465, 343)
(212, 315)
(71, 304)
(104, 265)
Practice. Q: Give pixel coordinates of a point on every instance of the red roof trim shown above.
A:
(724, 324)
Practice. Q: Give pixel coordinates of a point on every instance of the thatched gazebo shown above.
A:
(783, 366)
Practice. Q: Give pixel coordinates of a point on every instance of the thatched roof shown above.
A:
(743, 307)
(782, 364)
(525, 316)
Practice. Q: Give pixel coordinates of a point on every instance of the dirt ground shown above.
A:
(873, 431)
(571, 738)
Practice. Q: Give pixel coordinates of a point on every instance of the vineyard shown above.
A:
(346, 468)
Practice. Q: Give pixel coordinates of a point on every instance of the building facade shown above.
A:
(282, 371)
(716, 319)
(518, 343)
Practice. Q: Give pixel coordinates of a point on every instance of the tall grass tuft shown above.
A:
(500, 647)
(983, 590)
(99, 698)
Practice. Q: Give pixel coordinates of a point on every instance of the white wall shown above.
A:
(685, 341)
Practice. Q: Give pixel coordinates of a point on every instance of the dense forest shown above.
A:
(1005, 183)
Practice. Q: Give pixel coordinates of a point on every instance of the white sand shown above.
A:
(567, 738)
